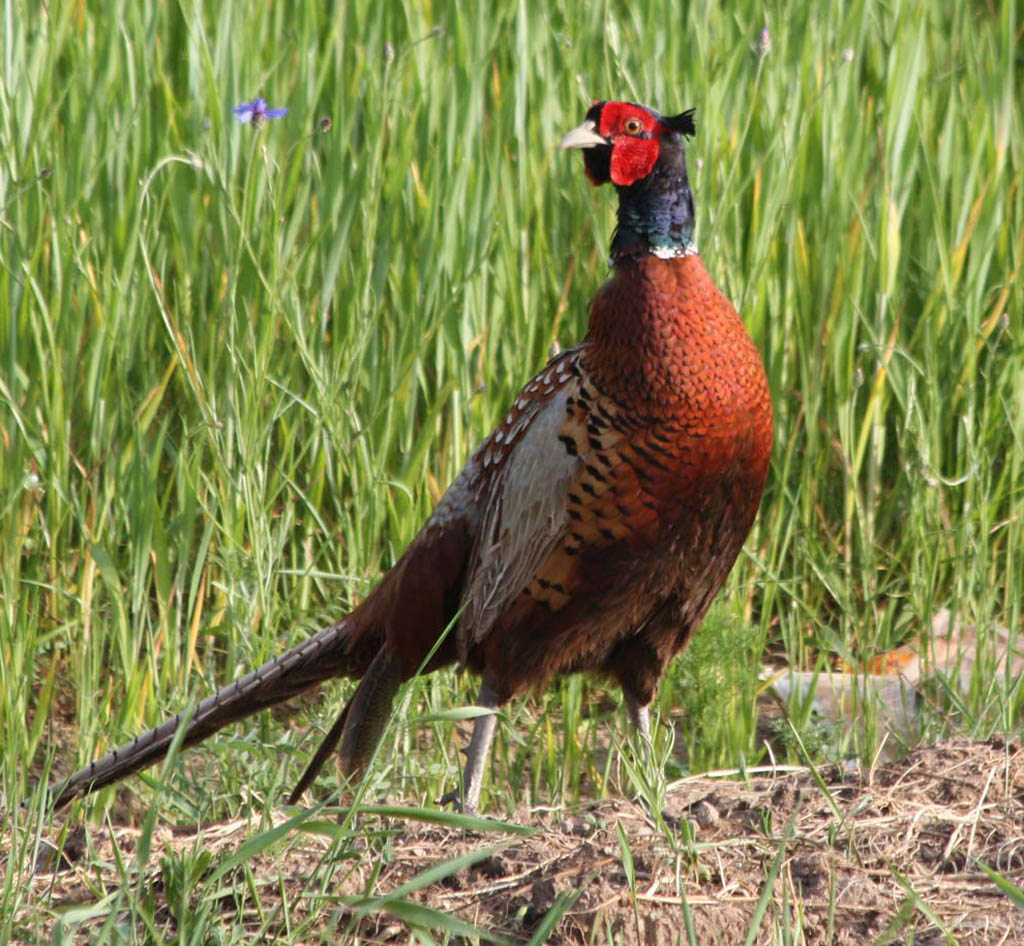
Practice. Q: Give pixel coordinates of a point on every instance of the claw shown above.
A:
(454, 799)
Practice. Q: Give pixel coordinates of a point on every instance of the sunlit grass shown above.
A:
(239, 367)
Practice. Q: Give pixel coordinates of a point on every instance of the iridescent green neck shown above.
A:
(656, 214)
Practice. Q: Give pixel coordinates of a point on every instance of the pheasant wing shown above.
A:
(526, 474)
(558, 485)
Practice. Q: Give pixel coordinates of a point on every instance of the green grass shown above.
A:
(239, 368)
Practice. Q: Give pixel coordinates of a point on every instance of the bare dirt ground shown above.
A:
(863, 856)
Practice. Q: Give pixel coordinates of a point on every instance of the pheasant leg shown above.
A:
(479, 747)
(640, 717)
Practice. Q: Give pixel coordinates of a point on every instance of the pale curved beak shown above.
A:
(585, 136)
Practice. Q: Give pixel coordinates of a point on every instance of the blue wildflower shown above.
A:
(256, 112)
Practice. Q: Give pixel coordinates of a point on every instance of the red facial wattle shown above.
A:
(633, 160)
(633, 154)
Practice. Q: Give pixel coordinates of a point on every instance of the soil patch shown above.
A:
(850, 855)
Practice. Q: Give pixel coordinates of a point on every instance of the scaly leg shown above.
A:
(640, 717)
(476, 756)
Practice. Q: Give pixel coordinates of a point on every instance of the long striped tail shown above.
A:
(330, 653)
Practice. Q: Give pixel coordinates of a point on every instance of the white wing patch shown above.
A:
(524, 517)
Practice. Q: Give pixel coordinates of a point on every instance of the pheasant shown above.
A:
(593, 527)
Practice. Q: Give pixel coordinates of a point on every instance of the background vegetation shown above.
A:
(239, 367)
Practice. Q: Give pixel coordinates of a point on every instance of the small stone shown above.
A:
(705, 814)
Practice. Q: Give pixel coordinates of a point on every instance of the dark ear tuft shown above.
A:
(683, 123)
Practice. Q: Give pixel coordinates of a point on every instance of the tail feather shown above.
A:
(368, 713)
(361, 723)
(318, 760)
(327, 654)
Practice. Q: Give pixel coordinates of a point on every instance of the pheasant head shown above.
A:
(642, 153)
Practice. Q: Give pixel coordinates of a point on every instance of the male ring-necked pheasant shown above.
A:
(592, 528)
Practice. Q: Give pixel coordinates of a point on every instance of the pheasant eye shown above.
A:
(633, 126)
